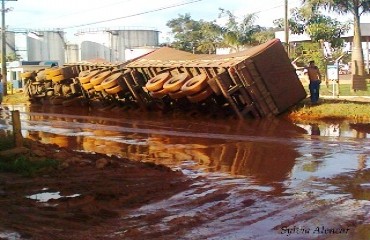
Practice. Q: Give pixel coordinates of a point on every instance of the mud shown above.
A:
(268, 179)
(82, 198)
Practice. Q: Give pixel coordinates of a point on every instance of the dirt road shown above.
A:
(268, 179)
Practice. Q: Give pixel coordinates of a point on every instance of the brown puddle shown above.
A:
(262, 178)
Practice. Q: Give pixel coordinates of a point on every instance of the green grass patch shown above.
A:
(6, 142)
(344, 90)
(22, 164)
(25, 167)
(331, 109)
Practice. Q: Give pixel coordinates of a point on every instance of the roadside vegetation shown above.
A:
(15, 98)
(22, 164)
(344, 90)
(331, 109)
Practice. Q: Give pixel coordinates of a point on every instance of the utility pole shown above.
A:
(286, 28)
(3, 46)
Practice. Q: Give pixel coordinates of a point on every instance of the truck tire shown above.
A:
(53, 72)
(201, 96)
(114, 90)
(111, 81)
(159, 94)
(99, 78)
(177, 95)
(195, 84)
(86, 78)
(176, 82)
(98, 88)
(156, 83)
(87, 86)
(57, 78)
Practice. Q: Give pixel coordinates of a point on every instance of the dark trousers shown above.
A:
(314, 91)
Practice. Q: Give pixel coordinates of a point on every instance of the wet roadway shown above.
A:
(258, 179)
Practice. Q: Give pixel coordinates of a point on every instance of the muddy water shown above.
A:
(265, 179)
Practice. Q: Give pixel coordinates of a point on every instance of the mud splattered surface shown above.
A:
(268, 179)
(82, 198)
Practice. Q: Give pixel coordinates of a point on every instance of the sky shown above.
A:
(77, 15)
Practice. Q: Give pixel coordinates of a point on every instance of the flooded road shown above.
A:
(262, 179)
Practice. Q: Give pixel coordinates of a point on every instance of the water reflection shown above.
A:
(315, 130)
(264, 162)
(265, 151)
(361, 130)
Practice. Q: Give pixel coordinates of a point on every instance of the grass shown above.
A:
(25, 167)
(331, 109)
(15, 98)
(6, 142)
(344, 90)
(22, 165)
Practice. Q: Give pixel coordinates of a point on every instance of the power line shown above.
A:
(91, 9)
(133, 15)
(268, 9)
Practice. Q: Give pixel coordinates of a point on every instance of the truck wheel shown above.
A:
(98, 88)
(57, 78)
(176, 82)
(111, 81)
(53, 72)
(86, 78)
(114, 90)
(201, 96)
(158, 94)
(195, 84)
(156, 83)
(178, 94)
(87, 86)
(99, 78)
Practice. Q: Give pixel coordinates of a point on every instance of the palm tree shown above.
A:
(239, 34)
(356, 8)
(211, 37)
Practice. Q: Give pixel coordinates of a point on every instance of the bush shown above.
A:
(25, 167)
(6, 142)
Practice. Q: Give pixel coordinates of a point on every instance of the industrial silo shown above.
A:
(10, 43)
(72, 53)
(46, 45)
(111, 44)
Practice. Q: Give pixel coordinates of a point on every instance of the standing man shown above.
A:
(314, 76)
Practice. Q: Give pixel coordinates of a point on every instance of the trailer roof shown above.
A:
(169, 57)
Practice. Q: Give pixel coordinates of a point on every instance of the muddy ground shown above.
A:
(91, 192)
(257, 180)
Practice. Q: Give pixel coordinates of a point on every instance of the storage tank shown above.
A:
(72, 53)
(110, 44)
(10, 43)
(48, 45)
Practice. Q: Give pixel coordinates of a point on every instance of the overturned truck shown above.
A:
(258, 82)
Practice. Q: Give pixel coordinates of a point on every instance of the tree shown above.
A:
(264, 35)
(195, 36)
(324, 31)
(238, 34)
(356, 8)
(211, 37)
(318, 26)
(186, 32)
(204, 37)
